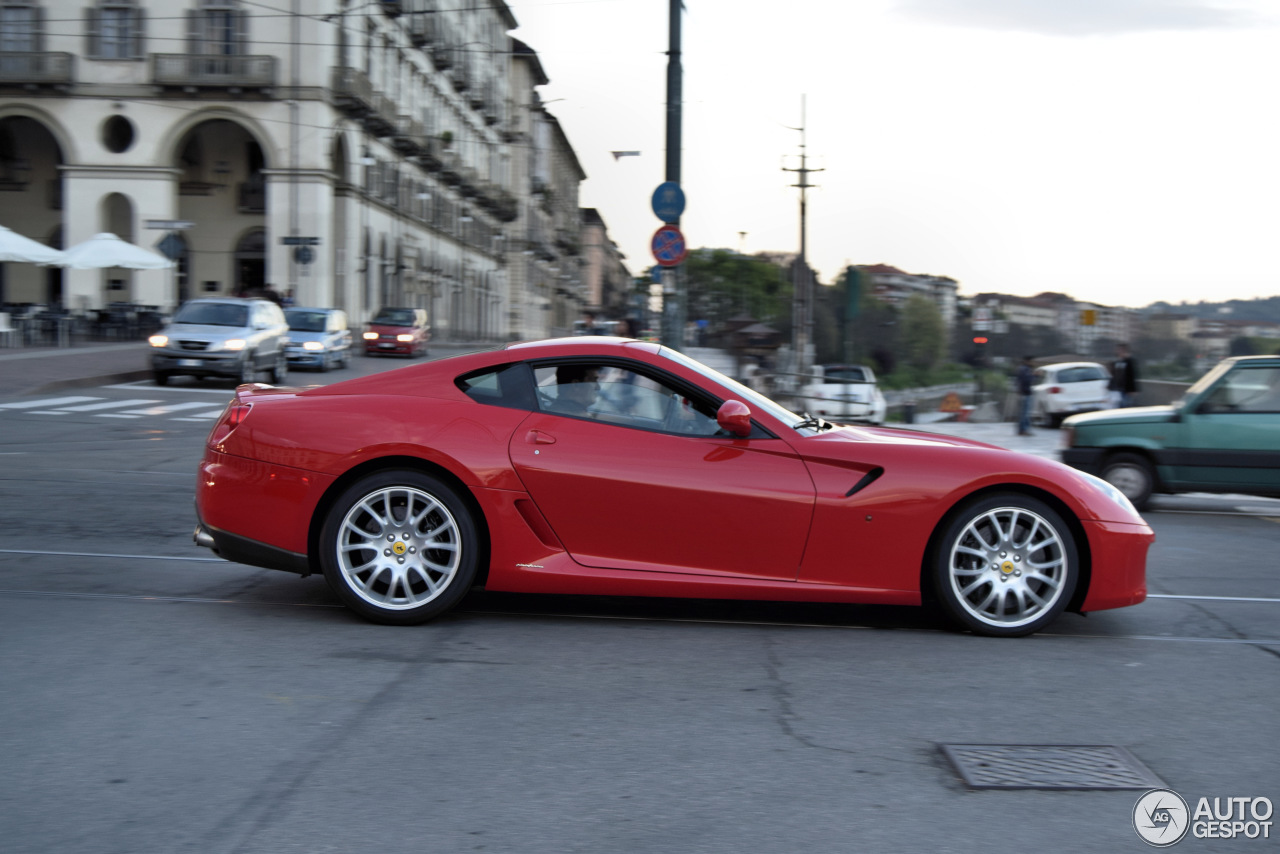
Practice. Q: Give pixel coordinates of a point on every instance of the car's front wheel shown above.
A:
(1006, 565)
(248, 371)
(1131, 474)
(399, 547)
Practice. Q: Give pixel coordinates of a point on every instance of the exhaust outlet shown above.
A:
(202, 537)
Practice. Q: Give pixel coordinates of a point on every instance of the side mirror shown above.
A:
(734, 417)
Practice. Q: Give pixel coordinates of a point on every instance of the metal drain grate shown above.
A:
(1049, 766)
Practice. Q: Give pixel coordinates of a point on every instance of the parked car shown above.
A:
(222, 337)
(318, 338)
(1065, 388)
(1223, 436)
(618, 467)
(845, 393)
(398, 331)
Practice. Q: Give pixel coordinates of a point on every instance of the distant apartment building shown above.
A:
(607, 283)
(356, 154)
(893, 286)
(1169, 325)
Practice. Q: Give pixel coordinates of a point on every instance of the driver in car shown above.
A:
(576, 387)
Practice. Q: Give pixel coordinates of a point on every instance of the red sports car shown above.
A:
(614, 467)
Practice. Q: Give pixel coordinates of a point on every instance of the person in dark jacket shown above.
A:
(1124, 376)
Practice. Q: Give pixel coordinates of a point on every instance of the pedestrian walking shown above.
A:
(1023, 380)
(1124, 376)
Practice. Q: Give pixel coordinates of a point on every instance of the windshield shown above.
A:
(306, 321)
(752, 398)
(395, 317)
(213, 314)
(844, 374)
(1203, 383)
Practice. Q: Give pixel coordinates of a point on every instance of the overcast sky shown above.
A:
(1122, 151)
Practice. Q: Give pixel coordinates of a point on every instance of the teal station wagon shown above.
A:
(1223, 436)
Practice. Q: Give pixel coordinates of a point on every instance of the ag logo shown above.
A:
(1161, 817)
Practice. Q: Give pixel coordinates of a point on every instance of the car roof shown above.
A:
(1057, 366)
(578, 344)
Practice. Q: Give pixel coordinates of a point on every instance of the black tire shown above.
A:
(1133, 475)
(160, 377)
(1056, 419)
(401, 577)
(1004, 565)
(280, 371)
(248, 370)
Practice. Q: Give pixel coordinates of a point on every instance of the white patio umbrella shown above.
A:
(15, 247)
(107, 250)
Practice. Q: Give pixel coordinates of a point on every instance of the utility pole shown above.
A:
(673, 307)
(801, 275)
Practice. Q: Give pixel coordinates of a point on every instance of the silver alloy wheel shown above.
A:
(398, 548)
(1008, 567)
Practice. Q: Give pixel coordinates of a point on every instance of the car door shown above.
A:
(1230, 436)
(642, 480)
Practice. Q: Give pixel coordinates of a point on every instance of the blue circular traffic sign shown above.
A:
(668, 246)
(668, 201)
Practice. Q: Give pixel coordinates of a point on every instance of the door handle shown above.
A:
(537, 437)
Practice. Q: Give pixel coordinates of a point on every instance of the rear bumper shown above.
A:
(250, 552)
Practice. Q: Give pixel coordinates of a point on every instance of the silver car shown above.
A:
(222, 337)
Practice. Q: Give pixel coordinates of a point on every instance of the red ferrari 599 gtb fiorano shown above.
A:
(609, 466)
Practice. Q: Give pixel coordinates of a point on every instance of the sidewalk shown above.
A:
(32, 370)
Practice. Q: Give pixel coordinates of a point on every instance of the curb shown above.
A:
(80, 382)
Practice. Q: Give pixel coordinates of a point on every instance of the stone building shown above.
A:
(356, 154)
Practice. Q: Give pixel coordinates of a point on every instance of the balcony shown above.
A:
(381, 119)
(392, 8)
(192, 72)
(441, 56)
(35, 69)
(352, 91)
(409, 137)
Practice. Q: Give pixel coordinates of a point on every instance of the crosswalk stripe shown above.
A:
(165, 410)
(110, 404)
(57, 401)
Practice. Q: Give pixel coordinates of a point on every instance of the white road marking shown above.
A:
(110, 404)
(167, 409)
(1214, 598)
(57, 401)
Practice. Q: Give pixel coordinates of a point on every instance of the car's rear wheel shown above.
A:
(1006, 565)
(399, 547)
(1131, 474)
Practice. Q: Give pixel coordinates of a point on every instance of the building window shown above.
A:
(20, 25)
(217, 29)
(115, 30)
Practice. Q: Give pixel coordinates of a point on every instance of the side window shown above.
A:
(617, 395)
(504, 385)
(1246, 390)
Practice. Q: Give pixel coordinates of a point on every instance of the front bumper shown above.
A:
(1086, 459)
(228, 364)
(306, 358)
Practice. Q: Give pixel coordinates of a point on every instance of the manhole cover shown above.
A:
(1049, 766)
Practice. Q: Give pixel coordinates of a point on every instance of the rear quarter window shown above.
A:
(504, 385)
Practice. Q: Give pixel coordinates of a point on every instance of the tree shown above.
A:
(924, 339)
(720, 284)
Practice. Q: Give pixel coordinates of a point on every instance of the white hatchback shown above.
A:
(1066, 388)
(843, 393)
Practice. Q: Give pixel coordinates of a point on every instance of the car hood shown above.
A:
(1134, 415)
(892, 435)
(296, 337)
(202, 332)
(384, 327)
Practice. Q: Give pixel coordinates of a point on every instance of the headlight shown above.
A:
(233, 344)
(312, 345)
(158, 340)
(371, 336)
(404, 339)
(1111, 492)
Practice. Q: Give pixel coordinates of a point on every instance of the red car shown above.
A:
(617, 467)
(398, 331)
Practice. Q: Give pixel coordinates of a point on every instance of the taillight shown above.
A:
(232, 417)
(236, 412)
(1053, 389)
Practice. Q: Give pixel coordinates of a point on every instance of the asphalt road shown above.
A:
(154, 698)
